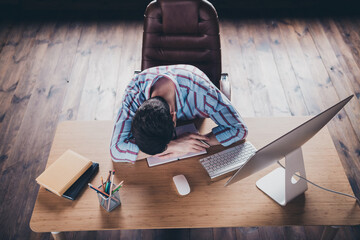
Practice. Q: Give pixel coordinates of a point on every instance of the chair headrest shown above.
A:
(180, 16)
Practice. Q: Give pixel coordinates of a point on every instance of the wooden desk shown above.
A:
(149, 198)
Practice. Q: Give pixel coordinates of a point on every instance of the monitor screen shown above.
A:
(287, 143)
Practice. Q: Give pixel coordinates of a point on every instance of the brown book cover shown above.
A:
(61, 174)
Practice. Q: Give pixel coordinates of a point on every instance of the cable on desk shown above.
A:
(329, 190)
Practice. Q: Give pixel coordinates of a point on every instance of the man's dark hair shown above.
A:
(152, 126)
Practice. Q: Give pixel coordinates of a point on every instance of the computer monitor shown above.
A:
(288, 146)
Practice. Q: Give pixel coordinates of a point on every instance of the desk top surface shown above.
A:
(150, 200)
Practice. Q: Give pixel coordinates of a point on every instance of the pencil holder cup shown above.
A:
(109, 203)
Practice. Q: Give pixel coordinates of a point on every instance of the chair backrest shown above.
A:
(182, 32)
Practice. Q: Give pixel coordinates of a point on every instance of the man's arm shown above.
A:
(189, 142)
(141, 155)
(212, 139)
(231, 128)
(122, 147)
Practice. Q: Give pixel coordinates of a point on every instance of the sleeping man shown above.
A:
(152, 103)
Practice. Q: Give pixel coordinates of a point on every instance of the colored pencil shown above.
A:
(108, 178)
(111, 184)
(118, 187)
(106, 187)
(99, 191)
(102, 184)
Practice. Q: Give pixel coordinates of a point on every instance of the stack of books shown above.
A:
(68, 175)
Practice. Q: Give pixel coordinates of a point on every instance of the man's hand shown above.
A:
(187, 143)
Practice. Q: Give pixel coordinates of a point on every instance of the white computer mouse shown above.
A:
(181, 184)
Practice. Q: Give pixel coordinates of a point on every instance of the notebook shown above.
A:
(79, 185)
(63, 173)
(188, 128)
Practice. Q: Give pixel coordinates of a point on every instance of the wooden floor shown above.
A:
(57, 71)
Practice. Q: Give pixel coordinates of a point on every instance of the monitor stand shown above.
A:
(281, 184)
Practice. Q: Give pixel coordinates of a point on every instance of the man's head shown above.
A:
(153, 126)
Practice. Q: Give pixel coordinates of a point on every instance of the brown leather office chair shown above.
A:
(184, 32)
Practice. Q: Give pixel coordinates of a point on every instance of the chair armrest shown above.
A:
(225, 86)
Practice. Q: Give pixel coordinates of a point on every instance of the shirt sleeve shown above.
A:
(122, 147)
(231, 127)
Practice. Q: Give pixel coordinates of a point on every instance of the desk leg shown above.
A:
(329, 232)
(58, 235)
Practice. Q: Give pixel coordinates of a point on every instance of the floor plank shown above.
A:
(8, 67)
(319, 77)
(294, 233)
(9, 47)
(251, 233)
(38, 127)
(224, 233)
(90, 92)
(234, 63)
(99, 92)
(272, 233)
(350, 36)
(5, 28)
(163, 234)
(14, 108)
(201, 233)
(343, 53)
(259, 94)
(109, 64)
(78, 74)
(293, 93)
(336, 72)
(312, 232)
(300, 66)
(271, 78)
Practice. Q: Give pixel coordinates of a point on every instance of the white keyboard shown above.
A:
(228, 160)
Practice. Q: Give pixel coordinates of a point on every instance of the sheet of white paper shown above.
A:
(154, 161)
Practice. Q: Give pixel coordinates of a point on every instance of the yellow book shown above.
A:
(61, 174)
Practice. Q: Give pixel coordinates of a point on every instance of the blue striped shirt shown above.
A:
(196, 97)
